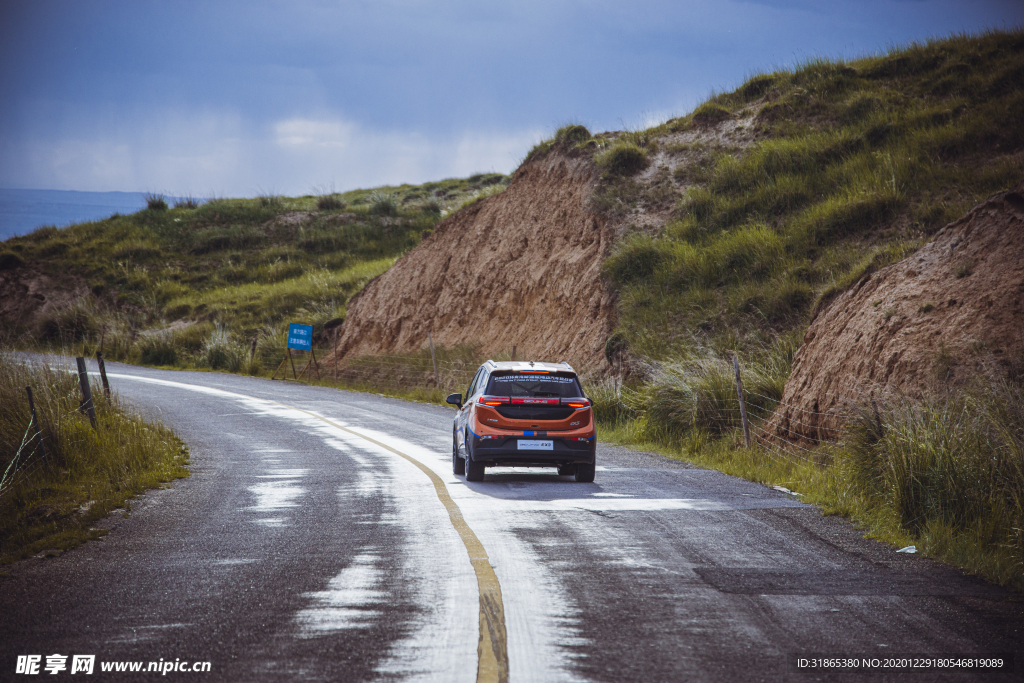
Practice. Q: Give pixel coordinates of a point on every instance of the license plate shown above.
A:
(536, 445)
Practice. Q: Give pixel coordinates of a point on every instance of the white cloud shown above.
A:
(310, 134)
(348, 155)
(178, 153)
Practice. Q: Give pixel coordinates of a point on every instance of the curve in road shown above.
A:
(309, 545)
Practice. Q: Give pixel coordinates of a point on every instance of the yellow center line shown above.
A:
(492, 647)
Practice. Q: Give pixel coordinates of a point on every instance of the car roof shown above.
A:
(528, 365)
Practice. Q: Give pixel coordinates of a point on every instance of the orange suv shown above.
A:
(524, 414)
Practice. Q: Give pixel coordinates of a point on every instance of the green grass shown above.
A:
(191, 286)
(622, 159)
(51, 504)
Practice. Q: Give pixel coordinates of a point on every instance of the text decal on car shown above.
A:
(520, 378)
(532, 445)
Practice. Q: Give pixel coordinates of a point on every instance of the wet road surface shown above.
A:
(313, 541)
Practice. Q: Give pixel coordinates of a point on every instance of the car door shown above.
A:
(464, 412)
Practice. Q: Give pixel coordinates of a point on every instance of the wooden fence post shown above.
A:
(316, 366)
(433, 359)
(513, 352)
(743, 405)
(35, 423)
(103, 374)
(336, 352)
(83, 382)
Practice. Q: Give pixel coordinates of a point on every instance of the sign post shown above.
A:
(300, 338)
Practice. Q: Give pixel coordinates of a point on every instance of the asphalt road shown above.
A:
(322, 536)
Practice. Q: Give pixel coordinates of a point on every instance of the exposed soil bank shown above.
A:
(518, 268)
(28, 295)
(953, 309)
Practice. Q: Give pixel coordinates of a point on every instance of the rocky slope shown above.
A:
(519, 268)
(953, 309)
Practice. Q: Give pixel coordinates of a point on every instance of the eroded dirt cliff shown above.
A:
(953, 309)
(28, 295)
(519, 268)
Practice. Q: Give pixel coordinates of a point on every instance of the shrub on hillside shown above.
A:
(156, 202)
(609, 408)
(271, 201)
(433, 206)
(383, 204)
(73, 323)
(573, 134)
(186, 202)
(330, 202)
(748, 253)
(709, 114)
(622, 159)
(635, 259)
(158, 349)
(757, 86)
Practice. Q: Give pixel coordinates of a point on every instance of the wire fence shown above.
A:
(51, 399)
(797, 432)
(385, 371)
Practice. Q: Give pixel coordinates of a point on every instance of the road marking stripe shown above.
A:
(492, 646)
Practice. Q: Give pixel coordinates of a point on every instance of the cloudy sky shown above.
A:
(239, 98)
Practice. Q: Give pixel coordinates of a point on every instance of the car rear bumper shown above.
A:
(507, 451)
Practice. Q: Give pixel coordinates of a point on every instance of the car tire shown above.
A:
(585, 473)
(567, 470)
(458, 464)
(474, 470)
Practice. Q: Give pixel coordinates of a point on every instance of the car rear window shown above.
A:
(536, 386)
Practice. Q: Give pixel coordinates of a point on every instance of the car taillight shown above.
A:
(576, 402)
(493, 400)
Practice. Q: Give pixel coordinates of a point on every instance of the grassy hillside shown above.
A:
(845, 166)
(194, 283)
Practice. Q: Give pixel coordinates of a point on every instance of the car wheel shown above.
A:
(566, 470)
(458, 464)
(474, 470)
(585, 473)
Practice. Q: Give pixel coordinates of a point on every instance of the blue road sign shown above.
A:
(300, 336)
